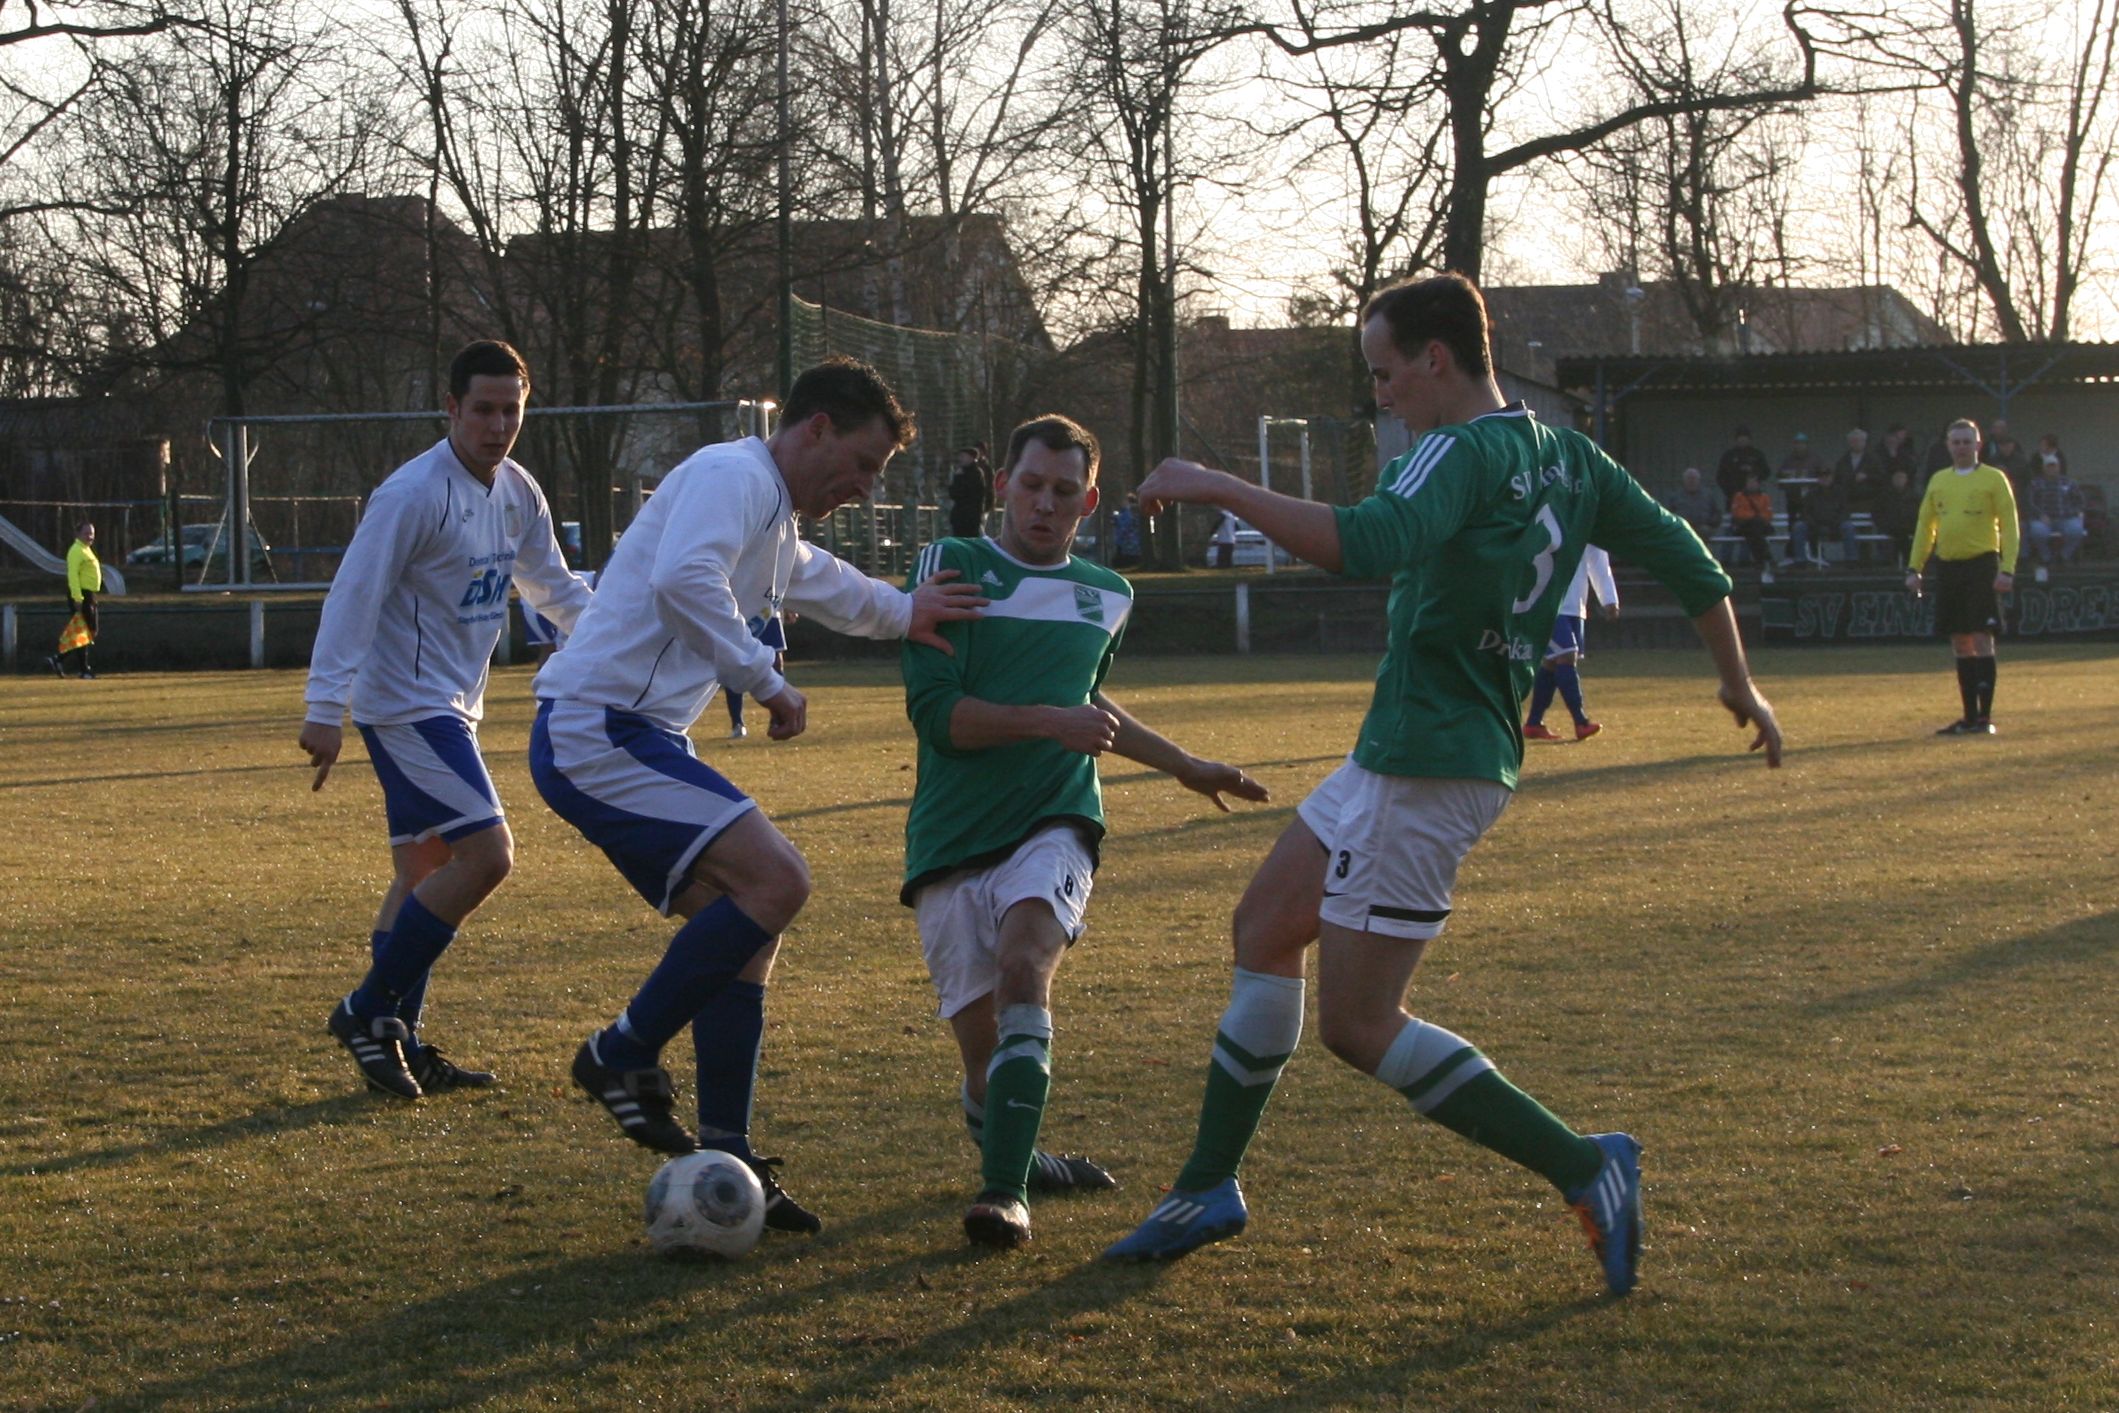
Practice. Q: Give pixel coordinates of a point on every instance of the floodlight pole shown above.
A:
(786, 240)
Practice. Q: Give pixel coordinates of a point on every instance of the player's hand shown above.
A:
(1913, 583)
(938, 601)
(1176, 480)
(1088, 729)
(790, 713)
(1611, 612)
(1214, 779)
(2004, 582)
(323, 744)
(1751, 709)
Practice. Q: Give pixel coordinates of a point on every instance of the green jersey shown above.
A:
(1047, 638)
(1480, 527)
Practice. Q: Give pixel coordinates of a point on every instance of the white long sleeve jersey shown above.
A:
(421, 596)
(714, 549)
(1594, 569)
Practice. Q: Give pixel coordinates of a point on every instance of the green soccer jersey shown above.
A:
(1480, 528)
(1046, 639)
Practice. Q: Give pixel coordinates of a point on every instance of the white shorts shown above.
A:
(960, 913)
(435, 783)
(634, 790)
(1394, 843)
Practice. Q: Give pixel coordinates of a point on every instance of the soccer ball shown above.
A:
(707, 1201)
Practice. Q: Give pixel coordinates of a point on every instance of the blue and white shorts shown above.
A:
(1569, 635)
(960, 913)
(634, 790)
(434, 780)
(1393, 844)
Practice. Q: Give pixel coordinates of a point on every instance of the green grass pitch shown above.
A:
(1861, 1012)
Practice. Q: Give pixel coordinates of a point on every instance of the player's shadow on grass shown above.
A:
(285, 768)
(277, 1119)
(550, 1329)
(2078, 943)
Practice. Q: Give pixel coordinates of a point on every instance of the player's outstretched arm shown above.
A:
(1304, 528)
(936, 601)
(1717, 629)
(1138, 742)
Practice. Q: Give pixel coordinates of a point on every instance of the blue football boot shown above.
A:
(1185, 1221)
(1610, 1208)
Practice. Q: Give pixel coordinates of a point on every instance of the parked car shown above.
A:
(1251, 548)
(198, 542)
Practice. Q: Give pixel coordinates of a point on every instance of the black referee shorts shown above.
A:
(1964, 594)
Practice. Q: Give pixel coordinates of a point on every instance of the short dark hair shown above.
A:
(1446, 307)
(851, 394)
(84, 523)
(1056, 433)
(486, 358)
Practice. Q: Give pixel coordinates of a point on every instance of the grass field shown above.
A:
(1861, 1012)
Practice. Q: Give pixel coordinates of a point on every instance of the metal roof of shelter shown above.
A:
(1999, 370)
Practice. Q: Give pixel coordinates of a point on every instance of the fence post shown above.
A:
(7, 636)
(1243, 615)
(257, 633)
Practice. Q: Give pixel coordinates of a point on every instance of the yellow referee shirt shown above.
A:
(1965, 514)
(83, 571)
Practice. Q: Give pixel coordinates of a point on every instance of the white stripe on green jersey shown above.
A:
(1480, 528)
(1046, 639)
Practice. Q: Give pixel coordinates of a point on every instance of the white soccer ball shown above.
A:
(708, 1201)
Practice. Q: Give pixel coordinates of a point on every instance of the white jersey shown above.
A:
(422, 595)
(1595, 568)
(714, 549)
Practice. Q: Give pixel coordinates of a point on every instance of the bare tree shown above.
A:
(2029, 163)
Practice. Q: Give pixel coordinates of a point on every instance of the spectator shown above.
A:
(1899, 452)
(1899, 511)
(1697, 506)
(1823, 515)
(970, 493)
(1739, 461)
(2048, 451)
(1224, 541)
(1125, 534)
(1800, 461)
(1861, 474)
(1751, 518)
(2056, 509)
(2005, 453)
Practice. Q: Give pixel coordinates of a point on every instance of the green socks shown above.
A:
(1449, 1081)
(1258, 1032)
(1018, 1079)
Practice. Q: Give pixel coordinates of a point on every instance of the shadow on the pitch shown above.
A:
(288, 769)
(279, 1118)
(2084, 940)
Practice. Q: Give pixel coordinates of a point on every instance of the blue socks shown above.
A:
(1540, 696)
(726, 1036)
(704, 956)
(398, 977)
(1569, 682)
(415, 1000)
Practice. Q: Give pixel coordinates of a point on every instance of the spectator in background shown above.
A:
(2056, 508)
(1224, 541)
(1125, 534)
(1741, 460)
(1823, 516)
(1860, 473)
(2049, 452)
(1899, 453)
(970, 493)
(1697, 506)
(84, 580)
(1751, 518)
(1898, 511)
(2003, 452)
(1801, 461)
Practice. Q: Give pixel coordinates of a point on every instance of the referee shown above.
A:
(1968, 521)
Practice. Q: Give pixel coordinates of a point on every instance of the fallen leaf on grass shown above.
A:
(1889, 1150)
